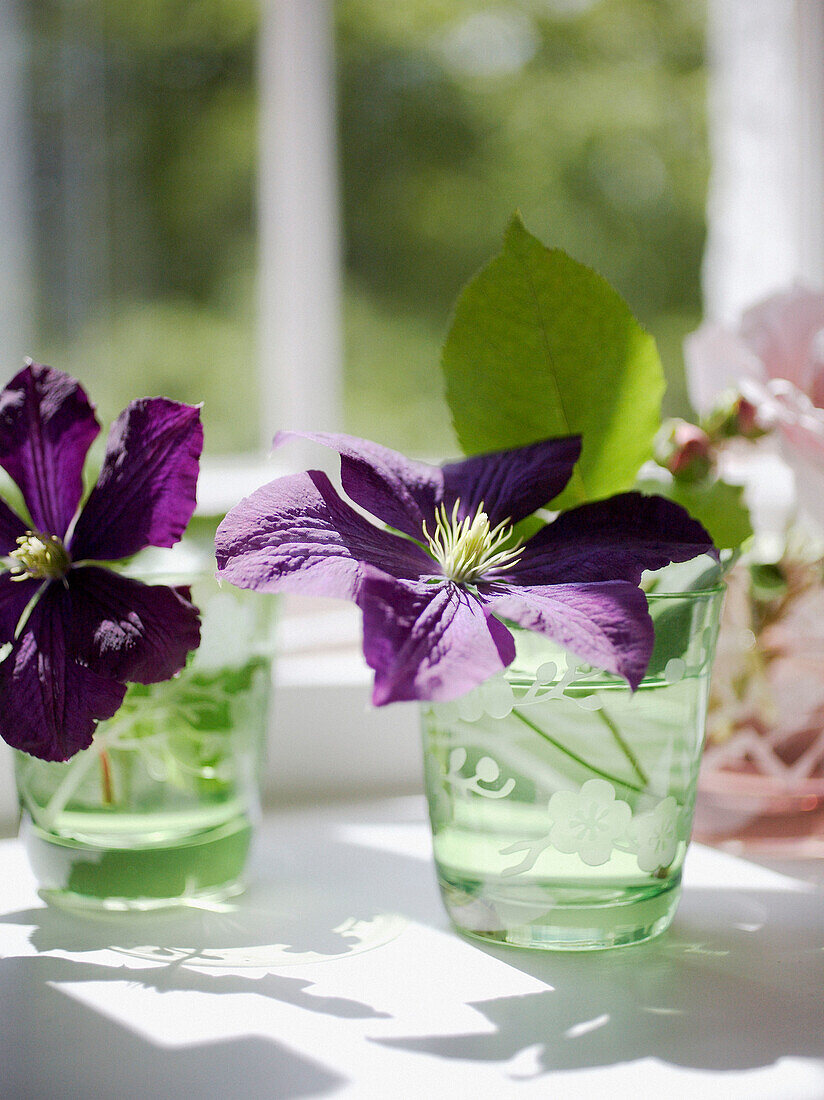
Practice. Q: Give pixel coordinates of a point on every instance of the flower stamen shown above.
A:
(468, 549)
(39, 557)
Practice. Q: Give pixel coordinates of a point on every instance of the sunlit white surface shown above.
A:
(338, 975)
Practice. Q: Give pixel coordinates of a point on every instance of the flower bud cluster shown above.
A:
(689, 451)
(734, 417)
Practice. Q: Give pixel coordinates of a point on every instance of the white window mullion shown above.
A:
(809, 26)
(15, 227)
(300, 352)
(766, 205)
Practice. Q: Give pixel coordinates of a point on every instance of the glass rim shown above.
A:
(692, 593)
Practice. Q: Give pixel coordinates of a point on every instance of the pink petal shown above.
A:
(716, 360)
(781, 332)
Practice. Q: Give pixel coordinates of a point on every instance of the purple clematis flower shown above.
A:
(434, 590)
(75, 632)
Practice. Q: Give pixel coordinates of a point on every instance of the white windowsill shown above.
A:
(337, 974)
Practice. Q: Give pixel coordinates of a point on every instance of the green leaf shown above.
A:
(673, 622)
(768, 581)
(542, 346)
(717, 504)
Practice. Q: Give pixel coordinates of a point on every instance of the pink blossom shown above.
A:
(776, 359)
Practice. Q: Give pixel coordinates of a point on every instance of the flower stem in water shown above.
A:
(623, 746)
(106, 779)
(76, 771)
(574, 756)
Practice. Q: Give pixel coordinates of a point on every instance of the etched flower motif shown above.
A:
(655, 835)
(435, 582)
(588, 822)
(75, 633)
(494, 697)
(487, 771)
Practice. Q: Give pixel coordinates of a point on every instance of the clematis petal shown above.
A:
(11, 527)
(297, 535)
(46, 428)
(607, 624)
(14, 598)
(128, 630)
(50, 703)
(145, 494)
(432, 642)
(614, 539)
(511, 485)
(398, 490)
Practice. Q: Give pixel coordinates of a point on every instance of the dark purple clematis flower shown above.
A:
(433, 600)
(75, 632)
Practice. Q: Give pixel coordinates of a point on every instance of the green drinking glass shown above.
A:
(160, 809)
(561, 802)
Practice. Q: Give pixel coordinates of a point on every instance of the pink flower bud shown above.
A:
(684, 449)
(748, 420)
(735, 416)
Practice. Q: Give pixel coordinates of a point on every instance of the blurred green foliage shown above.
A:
(144, 156)
(587, 115)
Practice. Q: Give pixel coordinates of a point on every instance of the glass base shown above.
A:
(206, 866)
(559, 918)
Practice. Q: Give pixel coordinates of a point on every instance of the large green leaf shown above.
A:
(542, 346)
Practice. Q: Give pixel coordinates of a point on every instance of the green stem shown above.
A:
(106, 779)
(74, 776)
(574, 756)
(623, 746)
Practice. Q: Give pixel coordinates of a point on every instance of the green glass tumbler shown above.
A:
(561, 802)
(159, 811)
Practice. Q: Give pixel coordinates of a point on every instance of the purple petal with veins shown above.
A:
(128, 630)
(14, 598)
(428, 637)
(425, 641)
(145, 495)
(606, 624)
(46, 428)
(615, 539)
(297, 535)
(51, 703)
(11, 527)
(511, 485)
(398, 490)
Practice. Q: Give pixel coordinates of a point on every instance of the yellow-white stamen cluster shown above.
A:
(468, 549)
(39, 557)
